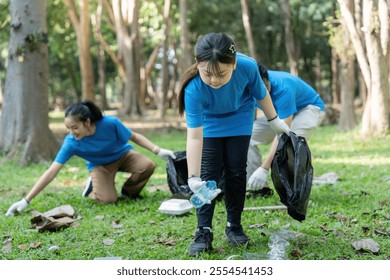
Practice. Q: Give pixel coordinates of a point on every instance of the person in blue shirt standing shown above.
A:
(297, 103)
(103, 142)
(218, 95)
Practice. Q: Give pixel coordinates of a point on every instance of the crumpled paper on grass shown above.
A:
(54, 219)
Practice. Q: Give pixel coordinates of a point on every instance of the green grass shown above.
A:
(356, 207)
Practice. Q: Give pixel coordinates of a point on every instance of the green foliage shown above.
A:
(354, 208)
(203, 17)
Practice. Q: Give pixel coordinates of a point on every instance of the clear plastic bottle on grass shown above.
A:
(206, 194)
(278, 245)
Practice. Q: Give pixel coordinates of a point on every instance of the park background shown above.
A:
(128, 56)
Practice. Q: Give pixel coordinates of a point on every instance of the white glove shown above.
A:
(195, 184)
(17, 207)
(279, 126)
(165, 154)
(257, 179)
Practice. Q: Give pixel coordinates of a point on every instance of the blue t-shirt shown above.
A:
(290, 94)
(228, 110)
(108, 144)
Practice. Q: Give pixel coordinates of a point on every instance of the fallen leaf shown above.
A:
(108, 242)
(99, 217)
(22, 246)
(323, 227)
(296, 253)
(383, 233)
(67, 182)
(366, 244)
(166, 242)
(8, 246)
(116, 224)
(256, 225)
(35, 245)
(341, 217)
(339, 233)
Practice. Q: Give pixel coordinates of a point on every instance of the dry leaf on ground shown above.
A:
(366, 244)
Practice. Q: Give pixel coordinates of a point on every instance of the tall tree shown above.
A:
(24, 124)
(248, 29)
(290, 45)
(126, 13)
(346, 76)
(185, 47)
(373, 57)
(96, 20)
(81, 24)
(163, 92)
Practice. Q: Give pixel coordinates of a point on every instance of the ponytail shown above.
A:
(190, 73)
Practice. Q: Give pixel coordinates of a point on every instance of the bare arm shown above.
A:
(44, 180)
(194, 150)
(267, 106)
(268, 160)
(144, 142)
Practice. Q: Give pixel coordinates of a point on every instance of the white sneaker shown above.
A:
(88, 187)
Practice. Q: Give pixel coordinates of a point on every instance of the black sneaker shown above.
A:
(235, 236)
(125, 195)
(202, 242)
(88, 187)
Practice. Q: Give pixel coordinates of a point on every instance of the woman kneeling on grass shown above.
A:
(103, 142)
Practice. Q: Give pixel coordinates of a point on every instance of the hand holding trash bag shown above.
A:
(279, 126)
(17, 207)
(257, 179)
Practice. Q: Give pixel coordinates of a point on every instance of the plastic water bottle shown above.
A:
(208, 192)
(278, 245)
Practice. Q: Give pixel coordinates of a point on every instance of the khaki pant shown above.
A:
(103, 177)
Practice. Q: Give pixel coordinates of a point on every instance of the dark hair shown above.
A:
(264, 74)
(213, 48)
(84, 110)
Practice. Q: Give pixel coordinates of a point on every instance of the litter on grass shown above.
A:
(54, 219)
(175, 206)
(330, 178)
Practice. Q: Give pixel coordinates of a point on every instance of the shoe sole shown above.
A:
(206, 250)
(236, 244)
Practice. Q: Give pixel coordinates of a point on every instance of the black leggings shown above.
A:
(228, 154)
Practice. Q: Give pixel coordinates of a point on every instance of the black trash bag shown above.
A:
(292, 174)
(177, 175)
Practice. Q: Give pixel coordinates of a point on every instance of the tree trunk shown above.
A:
(24, 124)
(96, 20)
(81, 26)
(373, 61)
(336, 99)
(164, 69)
(376, 116)
(289, 37)
(248, 29)
(127, 29)
(347, 77)
(347, 85)
(185, 47)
